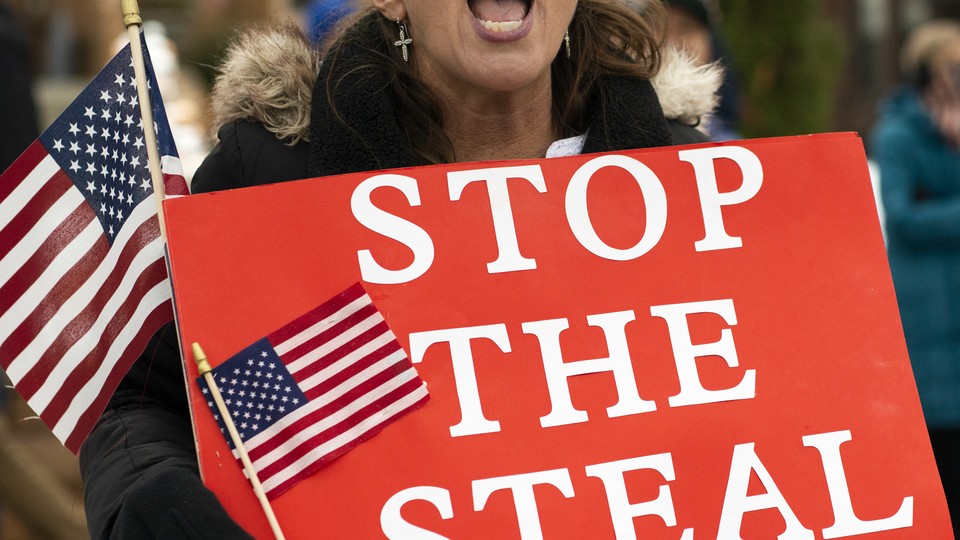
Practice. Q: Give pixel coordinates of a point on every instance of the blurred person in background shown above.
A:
(19, 125)
(29, 490)
(17, 109)
(691, 27)
(916, 146)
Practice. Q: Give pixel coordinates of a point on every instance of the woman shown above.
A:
(916, 146)
(408, 82)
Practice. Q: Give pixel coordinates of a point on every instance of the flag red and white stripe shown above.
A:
(83, 283)
(316, 388)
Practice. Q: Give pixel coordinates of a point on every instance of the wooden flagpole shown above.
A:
(132, 21)
(205, 371)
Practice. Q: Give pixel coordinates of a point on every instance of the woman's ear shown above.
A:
(395, 10)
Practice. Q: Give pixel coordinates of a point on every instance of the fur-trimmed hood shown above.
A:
(267, 76)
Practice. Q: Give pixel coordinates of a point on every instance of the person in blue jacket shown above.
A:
(916, 146)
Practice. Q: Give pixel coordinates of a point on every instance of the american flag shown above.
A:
(316, 388)
(83, 283)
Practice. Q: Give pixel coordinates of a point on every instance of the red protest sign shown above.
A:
(689, 342)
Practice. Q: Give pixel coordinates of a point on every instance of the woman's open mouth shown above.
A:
(500, 15)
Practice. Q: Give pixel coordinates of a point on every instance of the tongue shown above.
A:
(499, 10)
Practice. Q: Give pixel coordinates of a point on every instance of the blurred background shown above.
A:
(800, 67)
(796, 67)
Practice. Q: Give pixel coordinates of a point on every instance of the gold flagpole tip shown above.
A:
(131, 13)
(201, 359)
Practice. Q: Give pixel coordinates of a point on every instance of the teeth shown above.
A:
(505, 26)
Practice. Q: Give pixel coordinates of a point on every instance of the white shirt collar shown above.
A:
(570, 146)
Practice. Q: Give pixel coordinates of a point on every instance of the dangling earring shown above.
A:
(403, 41)
(566, 42)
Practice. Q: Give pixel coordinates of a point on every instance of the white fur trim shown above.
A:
(268, 76)
(687, 92)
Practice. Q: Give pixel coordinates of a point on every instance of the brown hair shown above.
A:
(608, 38)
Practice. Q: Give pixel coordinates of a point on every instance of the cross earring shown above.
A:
(404, 41)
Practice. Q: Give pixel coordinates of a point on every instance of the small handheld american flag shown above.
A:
(316, 388)
(83, 283)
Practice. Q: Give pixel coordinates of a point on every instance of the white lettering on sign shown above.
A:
(711, 200)
(654, 197)
(622, 511)
(685, 353)
(558, 371)
(524, 500)
(709, 164)
(619, 363)
(509, 259)
(737, 503)
(472, 420)
(396, 528)
(846, 523)
(497, 179)
(393, 227)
